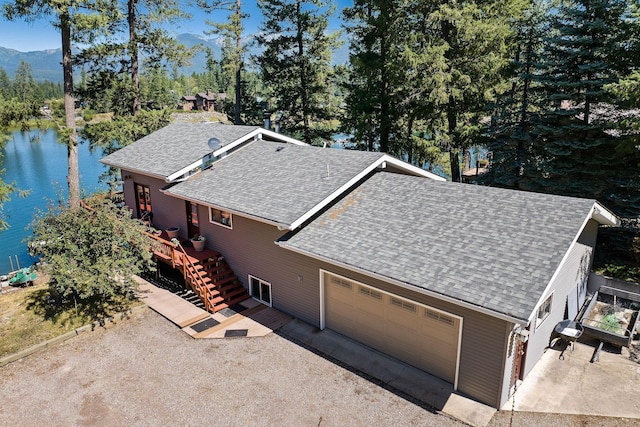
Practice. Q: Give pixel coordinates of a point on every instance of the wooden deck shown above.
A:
(257, 320)
(169, 305)
(206, 271)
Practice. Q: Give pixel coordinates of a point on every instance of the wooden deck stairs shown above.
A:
(207, 274)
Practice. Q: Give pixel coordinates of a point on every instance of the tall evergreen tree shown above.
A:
(586, 51)
(516, 151)
(233, 49)
(23, 85)
(425, 67)
(376, 33)
(80, 15)
(136, 29)
(5, 85)
(473, 37)
(296, 64)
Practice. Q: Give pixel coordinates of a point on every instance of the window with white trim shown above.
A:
(220, 217)
(544, 310)
(260, 290)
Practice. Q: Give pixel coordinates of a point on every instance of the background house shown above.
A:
(465, 282)
(209, 101)
(188, 103)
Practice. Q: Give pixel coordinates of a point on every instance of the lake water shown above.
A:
(36, 161)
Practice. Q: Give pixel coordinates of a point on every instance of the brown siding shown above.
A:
(167, 211)
(249, 249)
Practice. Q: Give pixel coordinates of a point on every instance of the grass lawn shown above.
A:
(27, 318)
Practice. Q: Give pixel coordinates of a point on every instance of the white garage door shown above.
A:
(414, 333)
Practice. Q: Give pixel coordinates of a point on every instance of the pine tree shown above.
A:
(67, 14)
(586, 51)
(425, 67)
(5, 85)
(23, 84)
(234, 49)
(295, 64)
(516, 151)
(140, 25)
(376, 32)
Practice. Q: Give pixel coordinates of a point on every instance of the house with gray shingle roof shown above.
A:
(463, 281)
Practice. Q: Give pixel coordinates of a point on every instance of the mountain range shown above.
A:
(46, 64)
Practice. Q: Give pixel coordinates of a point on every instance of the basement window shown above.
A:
(260, 290)
(220, 217)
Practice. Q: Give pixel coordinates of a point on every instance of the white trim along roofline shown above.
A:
(256, 134)
(600, 214)
(136, 171)
(404, 285)
(379, 163)
(411, 168)
(172, 178)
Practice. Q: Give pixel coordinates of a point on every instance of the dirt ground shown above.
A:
(144, 371)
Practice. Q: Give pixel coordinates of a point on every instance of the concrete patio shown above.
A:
(608, 387)
(253, 320)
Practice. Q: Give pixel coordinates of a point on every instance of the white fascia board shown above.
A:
(400, 284)
(600, 214)
(604, 216)
(411, 168)
(251, 135)
(380, 163)
(137, 171)
(184, 170)
(298, 222)
(281, 137)
(256, 134)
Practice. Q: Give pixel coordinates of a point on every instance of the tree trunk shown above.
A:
(133, 52)
(73, 179)
(237, 120)
(304, 96)
(454, 159)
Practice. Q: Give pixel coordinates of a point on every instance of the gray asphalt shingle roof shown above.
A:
(488, 247)
(174, 147)
(274, 181)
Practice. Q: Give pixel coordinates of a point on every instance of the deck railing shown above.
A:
(178, 257)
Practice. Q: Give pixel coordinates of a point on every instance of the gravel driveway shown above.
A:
(146, 372)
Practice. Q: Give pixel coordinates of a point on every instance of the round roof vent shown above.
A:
(214, 144)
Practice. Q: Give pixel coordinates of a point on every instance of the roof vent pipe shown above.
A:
(267, 120)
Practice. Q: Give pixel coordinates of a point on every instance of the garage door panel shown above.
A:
(403, 319)
(421, 336)
(436, 335)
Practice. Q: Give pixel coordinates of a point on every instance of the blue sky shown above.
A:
(41, 35)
